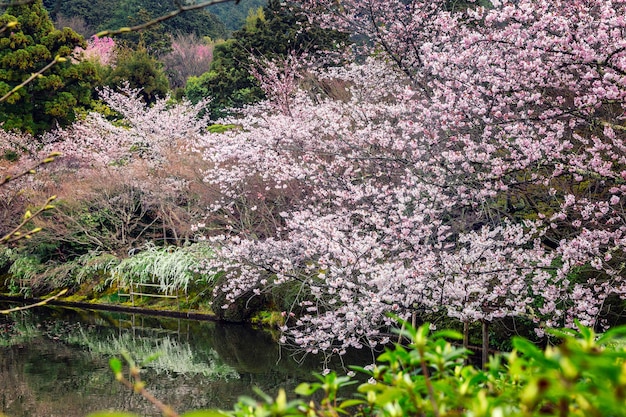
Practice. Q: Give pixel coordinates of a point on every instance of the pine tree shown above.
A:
(27, 48)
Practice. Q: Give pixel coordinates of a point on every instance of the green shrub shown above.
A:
(140, 70)
(51, 98)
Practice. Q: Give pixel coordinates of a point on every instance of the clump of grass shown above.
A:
(33, 275)
(6, 257)
(95, 264)
(172, 268)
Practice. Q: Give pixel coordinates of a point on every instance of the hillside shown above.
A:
(234, 15)
(90, 16)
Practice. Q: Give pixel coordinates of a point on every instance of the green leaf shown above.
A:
(153, 357)
(527, 348)
(112, 414)
(447, 334)
(263, 395)
(351, 403)
(306, 389)
(116, 365)
(611, 334)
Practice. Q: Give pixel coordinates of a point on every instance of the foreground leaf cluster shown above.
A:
(583, 374)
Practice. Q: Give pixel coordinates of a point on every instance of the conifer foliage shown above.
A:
(26, 47)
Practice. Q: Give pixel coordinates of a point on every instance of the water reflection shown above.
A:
(54, 362)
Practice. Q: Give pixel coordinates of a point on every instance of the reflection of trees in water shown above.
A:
(54, 362)
(167, 355)
(45, 377)
(18, 328)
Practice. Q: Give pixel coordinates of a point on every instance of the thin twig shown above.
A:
(32, 77)
(38, 304)
(31, 170)
(138, 387)
(15, 234)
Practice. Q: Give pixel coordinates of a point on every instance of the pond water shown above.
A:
(54, 362)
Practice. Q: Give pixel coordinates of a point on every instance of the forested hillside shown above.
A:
(97, 15)
(234, 15)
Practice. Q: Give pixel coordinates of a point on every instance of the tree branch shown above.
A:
(162, 18)
(38, 304)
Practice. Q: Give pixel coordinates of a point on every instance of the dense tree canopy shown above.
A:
(27, 48)
(475, 167)
(139, 70)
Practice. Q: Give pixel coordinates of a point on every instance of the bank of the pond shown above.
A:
(160, 311)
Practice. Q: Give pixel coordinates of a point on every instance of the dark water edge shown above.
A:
(54, 362)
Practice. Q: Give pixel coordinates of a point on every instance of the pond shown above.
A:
(54, 362)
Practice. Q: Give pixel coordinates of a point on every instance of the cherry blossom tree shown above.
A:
(476, 168)
(144, 132)
(101, 50)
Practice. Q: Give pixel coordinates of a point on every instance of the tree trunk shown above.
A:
(485, 355)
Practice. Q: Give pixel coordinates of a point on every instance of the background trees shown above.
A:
(103, 15)
(280, 30)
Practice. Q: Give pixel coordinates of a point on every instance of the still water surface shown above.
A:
(54, 362)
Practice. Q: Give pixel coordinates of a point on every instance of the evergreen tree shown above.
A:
(140, 70)
(27, 48)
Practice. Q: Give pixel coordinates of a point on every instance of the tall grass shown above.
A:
(31, 274)
(6, 257)
(172, 268)
(95, 264)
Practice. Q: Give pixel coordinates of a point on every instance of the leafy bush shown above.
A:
(140, 70)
